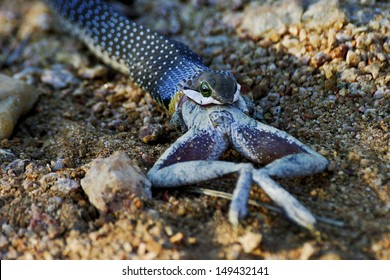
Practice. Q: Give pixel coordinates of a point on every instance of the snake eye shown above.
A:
(205, 89)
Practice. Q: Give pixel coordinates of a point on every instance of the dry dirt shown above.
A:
(301, 80)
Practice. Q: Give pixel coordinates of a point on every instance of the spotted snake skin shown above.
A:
(161, 66)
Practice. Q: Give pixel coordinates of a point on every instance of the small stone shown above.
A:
(3, 241)
(35, 19)
(273, 16)
(111, 182)
(315, 40)
(373, 69)
(42, 221)
(349, 75)
(319, 59)
(98, 107)
(381, 56)
(17, 166)
(323, 14)
(192, 240)
(7, 229)
(307, 251)
(97, 71)
(6, 156)
(59, 164)
(250, 241)
(330, 256)
(16, 99)
(59, 78)
(150, 133)
(340, 51)
(382, 92)
(177, 238)
(65, 185)
(246, 80)
(76, 60)
(352, 58)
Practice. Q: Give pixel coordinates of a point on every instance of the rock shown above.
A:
(324, 14)
(43, 221)
(6, 156)
(276, 16)
(16, 99)
(382, 92)
(177, 238)
(340, 51)
(91, 73)
(349, 75)
(30, 75)
(373, 69)
(150, 132)
(59, 164)
(59, 78)
(17, 166)
(352, 58)
(250, 241)
(110, 183)
(35, 19)
(65, 185)
(307, 251)
(319, 59)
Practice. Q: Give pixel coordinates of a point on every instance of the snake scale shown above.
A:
(167, 69)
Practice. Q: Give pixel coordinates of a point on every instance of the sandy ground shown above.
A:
(323, 77)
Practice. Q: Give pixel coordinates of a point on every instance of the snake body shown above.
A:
(167, 69)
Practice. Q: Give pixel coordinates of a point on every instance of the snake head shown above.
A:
(212, 87)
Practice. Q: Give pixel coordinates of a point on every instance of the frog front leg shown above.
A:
(193, 159)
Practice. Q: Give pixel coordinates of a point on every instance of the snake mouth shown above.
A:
(229, 98)
(199, 98)
(218, 100)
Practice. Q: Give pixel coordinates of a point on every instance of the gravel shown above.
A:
(318, 70)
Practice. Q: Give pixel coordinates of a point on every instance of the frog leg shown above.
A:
(284, 157)
(193, 159)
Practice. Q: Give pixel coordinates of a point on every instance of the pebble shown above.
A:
(250, 241)
(59, 78)
(352, 58)
(382, 92)
(91, 73)
(111, 182)
(373, 69)
(177, 238)
(35, 19)
(40, 219)
(65, 185)
(323, 14)
(59, 164)
(349, 75)
(3, 242)
(340, 51)
(30, 75)
(307, 251)
(330, 256)
(319, 59)
(150, 133)
(17, 166)
(16, 99)
(273, 16)
(6, 156)
(76, 60)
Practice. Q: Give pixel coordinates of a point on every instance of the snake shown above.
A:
(169, 70)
